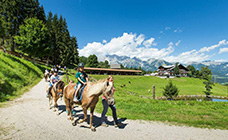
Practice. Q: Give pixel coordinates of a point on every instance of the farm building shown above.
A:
(169, 70)
(111, 71)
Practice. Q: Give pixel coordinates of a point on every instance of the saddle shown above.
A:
(80, 92)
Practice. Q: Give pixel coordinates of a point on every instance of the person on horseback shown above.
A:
(82, 79)
(54, 78)
(112, 106)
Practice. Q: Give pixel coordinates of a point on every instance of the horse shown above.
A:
(90, 97)
(56, 93)
(46, 76)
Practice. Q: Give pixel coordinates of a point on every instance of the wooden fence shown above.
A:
(43, 62)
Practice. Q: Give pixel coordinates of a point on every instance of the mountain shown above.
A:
(219, 69)
(149, 65)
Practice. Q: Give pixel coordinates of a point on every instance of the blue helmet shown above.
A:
(80, 65)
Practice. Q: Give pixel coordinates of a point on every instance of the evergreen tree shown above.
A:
(170, 90)
(92, 61)
(74, 45)
(192, 71)
(15, 12)
(176, 69)
(2, 29)
(208, 85)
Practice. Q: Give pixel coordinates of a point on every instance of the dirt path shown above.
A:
(28, 118)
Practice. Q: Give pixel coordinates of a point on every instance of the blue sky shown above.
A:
(174, 30)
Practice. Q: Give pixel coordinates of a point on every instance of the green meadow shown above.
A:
(205, 114)
(17, 76)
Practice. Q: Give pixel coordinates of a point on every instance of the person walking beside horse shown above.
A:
(112, 106)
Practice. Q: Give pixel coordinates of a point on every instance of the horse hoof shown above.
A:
(93, 129)
(74, 124)
(58, 113)
(68, 118)
(49, 107)
(54, 110)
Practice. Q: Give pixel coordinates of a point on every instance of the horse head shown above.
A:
(108, 93)
(58, 88)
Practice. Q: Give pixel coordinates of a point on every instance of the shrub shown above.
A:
(170, 90)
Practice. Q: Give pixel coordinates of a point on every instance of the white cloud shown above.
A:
(178, 42)
(177, 30)
(104, 41)
(167, 28)
(133, 45)
(223, 50)
(127, 45)
(208, 49)
(148, 42)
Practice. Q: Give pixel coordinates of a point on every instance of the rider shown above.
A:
(82, 79)
(54, 78)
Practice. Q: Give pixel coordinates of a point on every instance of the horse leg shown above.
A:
(68, 109)
(91, 118)
(85, 115)
(50, 102)
(56, 106)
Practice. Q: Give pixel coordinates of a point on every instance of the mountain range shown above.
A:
(219, 69)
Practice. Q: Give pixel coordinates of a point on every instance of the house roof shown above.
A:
(114, 70)
(172, 67)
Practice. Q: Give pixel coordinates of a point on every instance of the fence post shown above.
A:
(153, 91)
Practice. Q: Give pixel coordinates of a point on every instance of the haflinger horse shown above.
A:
(56, 93)
(90, 97)
(46, 76)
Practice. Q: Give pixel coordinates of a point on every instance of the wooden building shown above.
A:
(107, 71)
(169, 70)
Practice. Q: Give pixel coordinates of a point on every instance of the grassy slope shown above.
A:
(141, 85)
(192, 113)
(17, 76)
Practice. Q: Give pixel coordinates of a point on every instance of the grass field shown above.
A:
(17, 76)
(204, 114)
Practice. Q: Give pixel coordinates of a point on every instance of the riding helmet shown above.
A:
(80, 65)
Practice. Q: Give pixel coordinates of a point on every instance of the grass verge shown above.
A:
(205, 114)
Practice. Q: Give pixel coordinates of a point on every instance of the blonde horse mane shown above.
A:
(97, 87)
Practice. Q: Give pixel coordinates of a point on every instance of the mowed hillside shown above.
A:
(17, 76)
(143, 85)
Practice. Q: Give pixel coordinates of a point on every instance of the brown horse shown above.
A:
(46, 76)
(91, 94)
(56, 93)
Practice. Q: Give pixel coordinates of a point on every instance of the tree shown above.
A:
(170, 90)
(15, 12)
(33, 38)
(92, 61)
(176, 69)
(2, 28)
(205, 72)
(208, 85)
(192, 71)
(83, 60)
(103, 64)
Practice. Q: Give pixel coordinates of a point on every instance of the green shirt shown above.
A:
(82, 76)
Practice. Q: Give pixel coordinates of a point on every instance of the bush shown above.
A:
(170, 90)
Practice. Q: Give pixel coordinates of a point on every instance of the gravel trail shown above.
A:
(28, 118)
